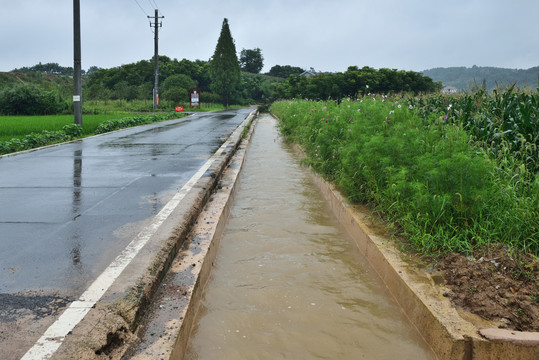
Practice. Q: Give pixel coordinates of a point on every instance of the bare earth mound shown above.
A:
(496, 285)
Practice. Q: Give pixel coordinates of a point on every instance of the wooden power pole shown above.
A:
(77, 75)
(156, 24)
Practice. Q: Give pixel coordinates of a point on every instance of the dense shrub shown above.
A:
(176, 95)
(30, 100)
(176, 87)
(208, 97)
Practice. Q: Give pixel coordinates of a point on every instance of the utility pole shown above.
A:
(156, 24)
(77, 75)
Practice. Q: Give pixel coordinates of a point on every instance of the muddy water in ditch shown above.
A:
(288, 282)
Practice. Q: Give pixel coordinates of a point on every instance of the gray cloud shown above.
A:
(330, 36)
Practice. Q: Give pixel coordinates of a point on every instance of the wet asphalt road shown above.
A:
(67, 211)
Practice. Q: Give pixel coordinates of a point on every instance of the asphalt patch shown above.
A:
(33, 305)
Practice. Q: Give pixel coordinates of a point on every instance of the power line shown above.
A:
(145, 13)
(154, 5)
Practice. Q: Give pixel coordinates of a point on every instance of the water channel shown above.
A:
(288, 282)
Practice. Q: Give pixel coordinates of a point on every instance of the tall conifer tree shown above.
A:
(224, 66)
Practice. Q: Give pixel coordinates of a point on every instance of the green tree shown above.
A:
(30, 100)
(285, 71)
(255, 88)
(176, 87)
(225, 68)
(97, 92)
(251, 60)
(121, 90)
(91, 70)
(48, 68)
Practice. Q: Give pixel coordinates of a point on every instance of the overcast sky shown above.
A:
(326, 35)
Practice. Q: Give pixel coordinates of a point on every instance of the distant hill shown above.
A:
(48, 68)
(61, 83)
(463, 78)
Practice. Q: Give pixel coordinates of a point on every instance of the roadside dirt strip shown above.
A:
(104, 318)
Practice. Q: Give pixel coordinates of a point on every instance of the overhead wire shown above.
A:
(155, 6)
(145, 13)
(152, 5)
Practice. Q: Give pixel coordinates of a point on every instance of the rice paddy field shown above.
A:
(19, 133)
(20, 126)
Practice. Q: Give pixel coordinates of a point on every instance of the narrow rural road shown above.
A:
(67, 211)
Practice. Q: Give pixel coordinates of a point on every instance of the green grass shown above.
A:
(31, 132)
(20, 126)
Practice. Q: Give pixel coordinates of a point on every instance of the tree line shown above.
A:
(224, 79)
(355, 82)
(52, 69)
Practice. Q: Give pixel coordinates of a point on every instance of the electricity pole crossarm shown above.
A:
(156, 24)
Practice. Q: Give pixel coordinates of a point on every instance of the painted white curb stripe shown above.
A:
(51, 340)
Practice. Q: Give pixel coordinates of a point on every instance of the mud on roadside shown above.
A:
(496, 284)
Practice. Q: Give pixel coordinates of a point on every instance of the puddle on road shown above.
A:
(288, 282)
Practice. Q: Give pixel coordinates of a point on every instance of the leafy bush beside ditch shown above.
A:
(421, 173)
(30, 100)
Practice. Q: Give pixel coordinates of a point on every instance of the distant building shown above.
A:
(449, 90)
(310, 72)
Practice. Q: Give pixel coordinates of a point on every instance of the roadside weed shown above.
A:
(422, 163)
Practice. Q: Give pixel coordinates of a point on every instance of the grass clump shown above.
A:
(424, 174)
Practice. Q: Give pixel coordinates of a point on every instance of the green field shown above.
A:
(20, 126)
(99, 116)
(19, 133)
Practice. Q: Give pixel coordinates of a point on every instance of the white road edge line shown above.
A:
(51, 340)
